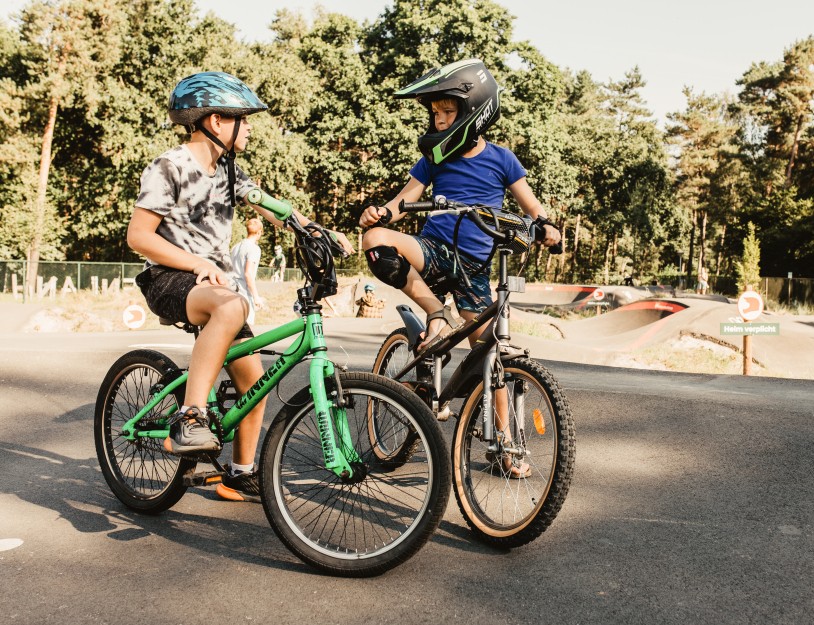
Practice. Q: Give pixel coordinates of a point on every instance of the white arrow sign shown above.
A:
(134, 316)
(750, 305)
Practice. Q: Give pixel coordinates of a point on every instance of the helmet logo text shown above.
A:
(485, 114)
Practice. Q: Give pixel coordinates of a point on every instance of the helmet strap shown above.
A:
(229, 153)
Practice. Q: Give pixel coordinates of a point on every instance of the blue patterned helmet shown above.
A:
(470, 84)
(206, 93)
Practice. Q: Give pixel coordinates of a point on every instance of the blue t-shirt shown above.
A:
(482, 179)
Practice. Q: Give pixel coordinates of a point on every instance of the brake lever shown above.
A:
(385, 219)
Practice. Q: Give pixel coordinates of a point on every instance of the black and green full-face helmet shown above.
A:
(205, 93)
(478, 97)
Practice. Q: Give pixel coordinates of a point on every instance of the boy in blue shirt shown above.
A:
(463, 100)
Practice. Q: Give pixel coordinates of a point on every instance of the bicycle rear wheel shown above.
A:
(140, 473)
(392, 439)
(501, 507)
(374, 521)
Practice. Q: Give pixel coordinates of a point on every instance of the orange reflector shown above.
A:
(539, 422)
(216, 479)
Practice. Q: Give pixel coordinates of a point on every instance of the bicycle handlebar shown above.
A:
(441, 203)
(281, 210)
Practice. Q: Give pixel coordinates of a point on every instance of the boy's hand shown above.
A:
(546, 232)
(342, 241)
(372, 215)
(206, 270)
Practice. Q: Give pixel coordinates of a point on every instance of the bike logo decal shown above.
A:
(324, 428)
(259, 384)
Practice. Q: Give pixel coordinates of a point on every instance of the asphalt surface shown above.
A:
(692, 502)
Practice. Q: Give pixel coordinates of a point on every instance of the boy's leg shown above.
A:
(222, 313)
(243, 485)
(173, 294)
(416, 289)
(244, 372)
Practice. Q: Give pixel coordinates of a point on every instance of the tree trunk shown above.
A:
(574, 261)
(702, 243)
(692, 250)
(794, 146)
(41, 201)
(719, 257)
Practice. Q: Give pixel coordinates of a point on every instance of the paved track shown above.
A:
(692, 503)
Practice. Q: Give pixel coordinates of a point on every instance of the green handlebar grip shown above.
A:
(282, 210)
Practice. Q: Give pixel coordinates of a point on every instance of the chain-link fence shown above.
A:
(65, 277)
(59, 278)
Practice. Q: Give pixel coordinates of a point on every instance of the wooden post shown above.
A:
(747, 354)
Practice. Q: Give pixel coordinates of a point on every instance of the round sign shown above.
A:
(134, 316)
(750, 305)
(599, 294)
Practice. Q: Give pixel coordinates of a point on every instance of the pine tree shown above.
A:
(748, 269)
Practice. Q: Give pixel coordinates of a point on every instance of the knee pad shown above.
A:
(388, 265)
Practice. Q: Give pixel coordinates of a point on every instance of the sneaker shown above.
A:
(240, 487)
(190, 433)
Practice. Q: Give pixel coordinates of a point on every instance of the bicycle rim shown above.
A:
(500, 506)
(140, 473)
(365, 527)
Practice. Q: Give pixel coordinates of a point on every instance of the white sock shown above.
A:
(237, 469)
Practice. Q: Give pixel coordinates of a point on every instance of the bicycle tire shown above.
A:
(357, 529)
(141, 474)
(506, 511)
(389, 440)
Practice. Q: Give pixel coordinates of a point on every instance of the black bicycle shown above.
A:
(514, 443)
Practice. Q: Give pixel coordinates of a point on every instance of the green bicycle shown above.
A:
(328, 496)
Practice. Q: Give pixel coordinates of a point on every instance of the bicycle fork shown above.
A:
(331, 416)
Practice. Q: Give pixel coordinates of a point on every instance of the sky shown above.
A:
(704, 44)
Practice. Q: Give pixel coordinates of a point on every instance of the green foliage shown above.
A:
(748, 268)
(334, 140)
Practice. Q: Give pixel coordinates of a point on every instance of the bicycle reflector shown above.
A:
(539, 422)
(505, 222)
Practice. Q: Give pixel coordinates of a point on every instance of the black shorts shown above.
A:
(166, 291)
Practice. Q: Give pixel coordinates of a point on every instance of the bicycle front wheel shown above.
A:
(140, 473)
(367, 524)
(504, 503)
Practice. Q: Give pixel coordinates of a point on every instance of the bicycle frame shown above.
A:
(332, 424)
(483, 359)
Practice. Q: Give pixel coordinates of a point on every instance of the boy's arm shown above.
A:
(143, 238)
(304, 221)
(411, 192)
(522, 193)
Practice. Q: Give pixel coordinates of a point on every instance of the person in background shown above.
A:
(277, 264)
(703, 281)
(245, 261)
(369, 305)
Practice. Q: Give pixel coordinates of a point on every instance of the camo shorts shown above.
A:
(442, 275)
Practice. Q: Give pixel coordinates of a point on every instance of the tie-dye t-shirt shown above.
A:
(195, 205)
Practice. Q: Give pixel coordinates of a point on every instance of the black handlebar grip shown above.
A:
(555, 249)
(415, 207)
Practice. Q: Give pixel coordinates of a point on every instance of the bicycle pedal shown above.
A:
(203, 479)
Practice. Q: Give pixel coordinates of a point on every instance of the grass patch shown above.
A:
(534, 328)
